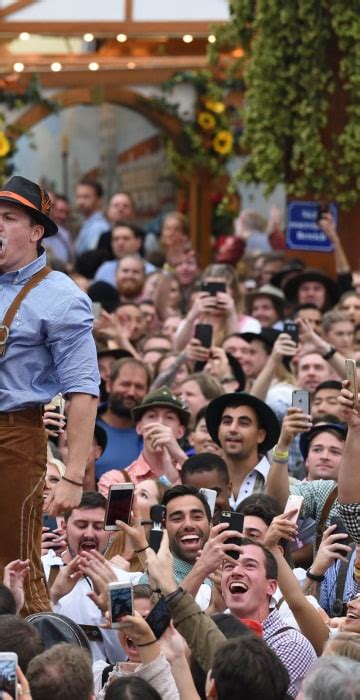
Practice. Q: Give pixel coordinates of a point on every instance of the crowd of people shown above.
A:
(124, 362)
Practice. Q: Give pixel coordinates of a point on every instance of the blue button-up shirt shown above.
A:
(50, 346)
(90, 232)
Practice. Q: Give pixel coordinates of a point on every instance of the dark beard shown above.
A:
(115, 404)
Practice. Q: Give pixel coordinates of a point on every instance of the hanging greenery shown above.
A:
(301, 67)
(13, 98)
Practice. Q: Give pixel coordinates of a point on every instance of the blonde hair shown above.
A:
(345, 644)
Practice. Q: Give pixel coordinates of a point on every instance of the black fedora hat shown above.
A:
(312, 275)
(292, 268)
(31, 196)
(265, 414)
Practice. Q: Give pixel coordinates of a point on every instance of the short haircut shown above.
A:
(331, 317)
(301, 307)
(329, 384)
(271, 568)
(131, 687)
(186, 490)
(96, 186)
(209, 386)
(338, 434)
(332, 677)
(142, 590)
(62, 672)
(205, 462)
(137, 231)
(90, 499)
(247, 667)
(119, 364)
(21, 637)
(261, 506)
(7, 601)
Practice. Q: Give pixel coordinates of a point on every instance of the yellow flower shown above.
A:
(4, 145)
(223, 142)
(206, 121)
(213, 106)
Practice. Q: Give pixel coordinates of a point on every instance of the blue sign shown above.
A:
(302, 231)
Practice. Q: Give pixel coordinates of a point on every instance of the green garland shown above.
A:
(295, 54)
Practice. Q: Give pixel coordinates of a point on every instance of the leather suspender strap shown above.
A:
(324, 516)
(10, 314)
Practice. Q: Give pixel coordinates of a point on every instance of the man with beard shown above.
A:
(69, 593)
(127, 386)
(130, 278)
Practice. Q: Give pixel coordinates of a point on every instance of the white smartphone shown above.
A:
(96, 309)
(121, 601)
(59, 402)
(351, 375)
(301, 399)
(119, 505)
(294, 502)
(210, 495)
(8, 680)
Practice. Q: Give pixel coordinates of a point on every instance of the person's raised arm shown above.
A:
(277, 484)
(204, 302)
(312, 342)
(327, 224)
(283, 346)
(349, 473)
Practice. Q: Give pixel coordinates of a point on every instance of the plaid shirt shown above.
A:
(292, 648)
(328, 590)
(139, 471)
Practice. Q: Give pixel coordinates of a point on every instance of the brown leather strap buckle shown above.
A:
(4, 334)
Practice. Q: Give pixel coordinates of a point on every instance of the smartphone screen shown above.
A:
(8, 681)
(50, 522)
(119, 505)
(236, 522)
(204, 332)
(213, 287)
(159, 618)
(120, 602)
(292, 329)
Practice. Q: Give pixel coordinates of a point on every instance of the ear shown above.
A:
(37, 232)
(191, 439)
(271, 587)
(138, 428)
(98, 451)
(261, 435)
(180, 432)
(211, 692)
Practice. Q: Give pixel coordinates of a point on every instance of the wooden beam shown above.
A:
(76, 62)
(129, 27)
(128, 10)
(15, 7)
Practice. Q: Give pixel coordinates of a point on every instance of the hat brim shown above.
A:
(49, 225)
(266, 415)
(305, 438)
(292, 286)
(138, 411)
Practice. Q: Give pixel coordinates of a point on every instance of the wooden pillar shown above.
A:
(200, 210)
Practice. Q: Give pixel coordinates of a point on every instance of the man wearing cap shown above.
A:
(46, 346)
(161, 420)
(246, 428)
(266, 304)
(312, 286)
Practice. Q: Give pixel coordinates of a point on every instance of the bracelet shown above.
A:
(175, 594)
(281, 460)
(315, 577)
(71, 481)
(137, 551)
(147, 644)
(156, 590)
(282, 455)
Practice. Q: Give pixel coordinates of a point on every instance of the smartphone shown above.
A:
(159, 618)
(96, 309)
(323, 208)
(213, 287)
(350, 367)
(292, 502)
(292, 329)
(121, 601)
(204, 333)
(8, 680)
(301, 399)
(340, 529)
(236, 522)
(210, 495)
(158, 514)
(50, 522)
(119, 505)
(58, 402)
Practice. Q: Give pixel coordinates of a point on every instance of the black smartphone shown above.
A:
(323, 208)
(119, 505)
(340, 529)
(213, 287)
(50, 522)
(159, 618)
(204, 333)
(292, 329)
(121, 601)
(158, 514)
(236, 522)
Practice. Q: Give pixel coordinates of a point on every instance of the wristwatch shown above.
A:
(329, 353)
(315, 577)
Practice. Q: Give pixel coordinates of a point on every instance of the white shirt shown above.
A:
(247, 486)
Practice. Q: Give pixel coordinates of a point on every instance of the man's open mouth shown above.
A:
(87, 546)
(238, 587)
(190, 541)
(352, 616)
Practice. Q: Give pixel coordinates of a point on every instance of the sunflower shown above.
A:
(4, 145)
(214, 106)
(206, 121)
(223, 142)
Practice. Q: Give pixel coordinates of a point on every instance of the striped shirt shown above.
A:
(328, 590)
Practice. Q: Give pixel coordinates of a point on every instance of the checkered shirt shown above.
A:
(292, 648)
